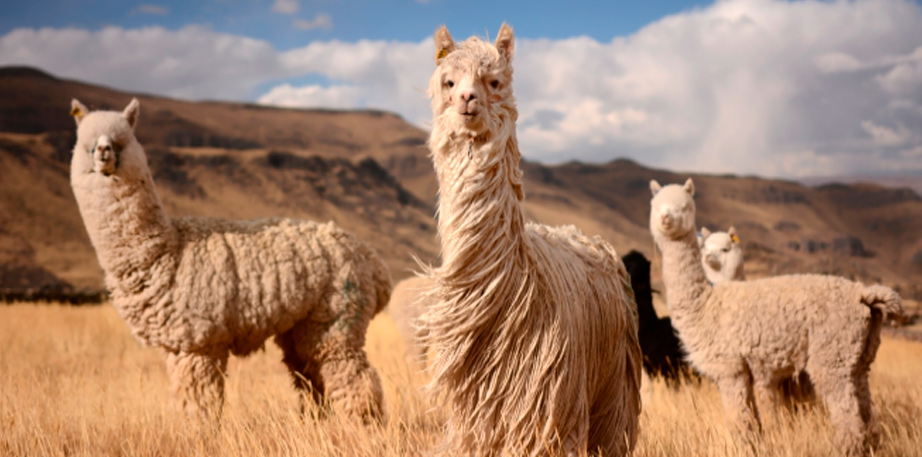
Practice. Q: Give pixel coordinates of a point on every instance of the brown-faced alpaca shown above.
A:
(749, 335)
(721, 255)
(202, 288)
(534, 328)
(722, 258)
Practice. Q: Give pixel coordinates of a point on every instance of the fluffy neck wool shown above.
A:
(127, 225)
(686, 284)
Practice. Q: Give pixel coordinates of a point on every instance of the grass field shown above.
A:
(74, 382)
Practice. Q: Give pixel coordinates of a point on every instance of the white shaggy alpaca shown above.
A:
(534, 328)
(748, 335)
(408, 301)
(202, 288)
(721, 255)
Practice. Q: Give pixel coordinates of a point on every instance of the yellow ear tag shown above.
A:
(441, 54)
(735, 239)
(76, 112)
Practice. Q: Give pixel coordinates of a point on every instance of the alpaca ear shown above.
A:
(705, 232)
(132, 111)
(733, 236)
(505, 40)
(690, 187)
(655, 187)
(444, 44)
(78, 110)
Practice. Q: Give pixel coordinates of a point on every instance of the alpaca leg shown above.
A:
(768, 400)
(351, 385)
(866, 408)
(198, 382)
(737, 395)
(336, 368)
(842, 399)
(301, 372)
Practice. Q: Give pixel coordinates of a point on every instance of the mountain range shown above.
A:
(370, 172)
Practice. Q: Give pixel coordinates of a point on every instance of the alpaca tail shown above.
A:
(883, 301)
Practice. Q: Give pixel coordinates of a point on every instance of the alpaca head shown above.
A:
(672, 210)
(106, 144)
(721, 253)
(471, 88)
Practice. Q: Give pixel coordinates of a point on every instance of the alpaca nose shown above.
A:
(665, 219)
(712, 261)
(468, 95)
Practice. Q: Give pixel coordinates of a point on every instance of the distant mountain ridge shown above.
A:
(370, 172)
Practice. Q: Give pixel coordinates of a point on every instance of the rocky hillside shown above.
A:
(370, 172)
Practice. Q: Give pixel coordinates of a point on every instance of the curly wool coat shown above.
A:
(202, 288)
(749, 335)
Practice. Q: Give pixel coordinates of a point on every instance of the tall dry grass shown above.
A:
(73, 382)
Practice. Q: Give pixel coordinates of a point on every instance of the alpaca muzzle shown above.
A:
(105, 156)
(666, 220)
(713, 261)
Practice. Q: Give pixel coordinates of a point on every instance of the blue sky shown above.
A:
(405, 20)
(768, 87)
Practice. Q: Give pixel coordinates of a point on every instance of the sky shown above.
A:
(767, 87)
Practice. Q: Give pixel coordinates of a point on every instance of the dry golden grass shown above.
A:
(74, 382)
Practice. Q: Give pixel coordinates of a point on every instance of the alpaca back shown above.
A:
(247, 280)
(799, 317)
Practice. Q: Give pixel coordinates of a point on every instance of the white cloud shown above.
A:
(192, 62)
(322, 21)
(313, 96)
(885, 136)
(386, 75)
(285, 6)
(837, 62)
(747, 86)
(905, 78)
(158, 10)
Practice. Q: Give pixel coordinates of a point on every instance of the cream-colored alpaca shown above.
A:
(721, 255)
(202, 288)
(749, 335)
(408, 301)
(534, 327)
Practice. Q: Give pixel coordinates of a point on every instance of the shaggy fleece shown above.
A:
(534, 328)
(201, 288)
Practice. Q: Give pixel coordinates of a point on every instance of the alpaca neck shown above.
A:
(127, 225)
(481, 223)
(684, 277)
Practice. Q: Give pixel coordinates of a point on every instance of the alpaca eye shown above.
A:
(451, 83)
(726, 249)
(495, 83)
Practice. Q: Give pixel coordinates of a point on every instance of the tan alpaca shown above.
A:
(534, 328)
(721, 255)
(203, 288)
(749, 335)
(408, 301)
(722, 258)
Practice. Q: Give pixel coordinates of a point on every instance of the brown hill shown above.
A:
(369, 171)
